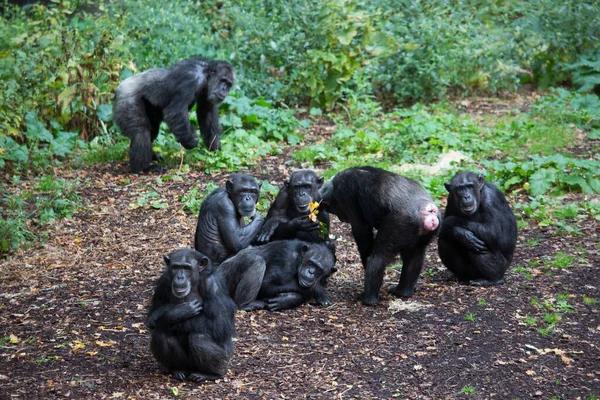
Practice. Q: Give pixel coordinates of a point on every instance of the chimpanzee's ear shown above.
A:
(229, 187)
(448, 186)
(259, 185)
(167, 260)
(480, 179)
(304, 248)
(203, 262)
(320, 181)
(286, 183)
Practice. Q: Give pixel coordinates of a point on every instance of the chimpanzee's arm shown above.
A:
(467, 233)
(208, 119)
(236, 237)
(171, 314)
(320, 296)
(177, 118)
(219, 309)
(288, 229)
(284, 301)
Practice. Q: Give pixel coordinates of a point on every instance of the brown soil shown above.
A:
(74, 310)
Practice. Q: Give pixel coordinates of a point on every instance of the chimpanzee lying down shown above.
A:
(479, 231)
(279, 275)
(399, 208)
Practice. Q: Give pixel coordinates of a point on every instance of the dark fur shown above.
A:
(285, 219)
(192, 335)
(143, 101)
(477, 245)
(269, 276)
(221, 232)
(372, 198)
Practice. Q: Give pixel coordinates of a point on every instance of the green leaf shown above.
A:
(541, 181)
(594, 134)
(594, 183)
(13, 151)
(66, 96)
(573, 180)
(345, 36)
(104, 112)
(159, 205)
(63, 143)
(35, 129)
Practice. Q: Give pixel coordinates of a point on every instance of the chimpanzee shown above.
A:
(479, 231)
(288, 216)
(143, 101)
(221, 232)
(399, 208)
(279, 275)
(192, 319)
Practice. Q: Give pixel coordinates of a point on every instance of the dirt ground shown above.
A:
(72, 314)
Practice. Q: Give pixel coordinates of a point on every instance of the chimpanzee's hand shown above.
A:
(190, 142)
(324, 301)
(303, 223)
(266, 231)
(189, 309)
(472, 242)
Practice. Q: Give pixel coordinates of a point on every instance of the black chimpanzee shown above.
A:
(399, 208)
(288, 216)
(143, 101)
(479, 231)
(221, 232)
(279, 275)
(192, 319)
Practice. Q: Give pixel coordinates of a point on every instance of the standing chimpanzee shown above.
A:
(279, 275)
(399, 208)
(221, 232)
(143, 101)
(192, 319)
(479, 231)
(288, 216)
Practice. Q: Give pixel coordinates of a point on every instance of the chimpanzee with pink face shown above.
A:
(402, 212)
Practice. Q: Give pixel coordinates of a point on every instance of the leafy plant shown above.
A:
(192, 200)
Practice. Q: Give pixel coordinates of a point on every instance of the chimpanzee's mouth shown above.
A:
(181, 292)
(303, 208)
(304, 283)
(468, 210)
(248, 212)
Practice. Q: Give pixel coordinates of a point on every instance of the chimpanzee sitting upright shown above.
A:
(279, 275)
(288, 216)
(221, 232)
(399, 208)
(479, 231)
(144, 100)
(192, 319)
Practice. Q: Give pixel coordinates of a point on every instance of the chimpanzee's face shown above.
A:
(465, 190)
(184, 268)
(243, 191)
(303, 187)
(317, 262)
(220, 81)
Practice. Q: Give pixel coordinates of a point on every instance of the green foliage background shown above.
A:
(61, 61)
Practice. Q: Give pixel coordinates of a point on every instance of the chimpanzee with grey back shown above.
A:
(221, 231)
(402, 212)
(192, 319)
(479, 231)
(143, 101)
(288, 215)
